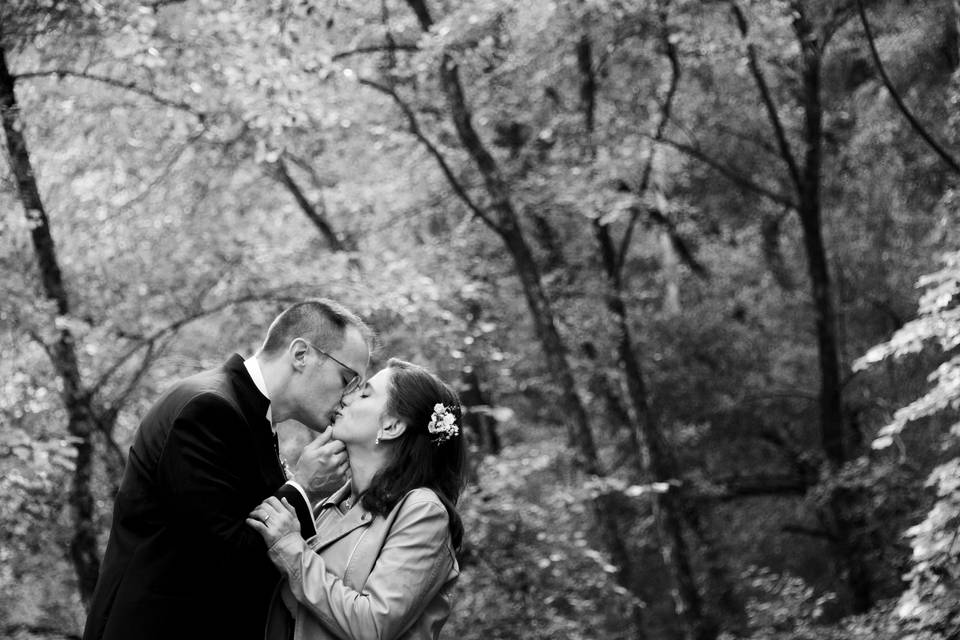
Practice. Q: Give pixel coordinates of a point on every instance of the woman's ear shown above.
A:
(391, 429)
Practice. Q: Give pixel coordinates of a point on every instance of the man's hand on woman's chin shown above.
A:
(323, 466)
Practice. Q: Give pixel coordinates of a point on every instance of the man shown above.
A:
(180, 562)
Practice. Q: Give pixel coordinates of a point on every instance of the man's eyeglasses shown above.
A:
(355, 378)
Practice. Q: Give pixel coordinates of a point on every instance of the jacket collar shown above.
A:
(334, 498)
(255, 402)
(354, 518)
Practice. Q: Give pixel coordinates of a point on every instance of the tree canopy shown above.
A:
(692, 267)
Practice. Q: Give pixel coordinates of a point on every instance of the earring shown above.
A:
(379, 433)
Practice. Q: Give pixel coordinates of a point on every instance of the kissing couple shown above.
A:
(213, 536)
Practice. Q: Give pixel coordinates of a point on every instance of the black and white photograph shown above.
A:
(480, 320)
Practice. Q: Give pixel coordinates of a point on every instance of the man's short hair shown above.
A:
(321, 321)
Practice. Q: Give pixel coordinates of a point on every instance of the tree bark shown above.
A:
(80, 424)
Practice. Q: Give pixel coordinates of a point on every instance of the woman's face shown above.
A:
(364, 411)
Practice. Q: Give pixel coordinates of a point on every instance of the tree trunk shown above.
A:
(578, 425)
(508, 227)
(831, 410)
(655, 460)
(832, 429)
(479, 421)
(83, 546)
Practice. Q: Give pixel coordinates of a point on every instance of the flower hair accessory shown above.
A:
(443, 424)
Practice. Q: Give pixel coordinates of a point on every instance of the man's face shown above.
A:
(325, 377)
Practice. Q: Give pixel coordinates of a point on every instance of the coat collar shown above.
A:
(353, 519)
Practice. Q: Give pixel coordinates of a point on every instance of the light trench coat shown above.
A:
(368, 576)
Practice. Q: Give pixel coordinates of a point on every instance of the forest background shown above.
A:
(693, 266)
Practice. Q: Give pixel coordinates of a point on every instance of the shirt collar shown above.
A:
(253, 368)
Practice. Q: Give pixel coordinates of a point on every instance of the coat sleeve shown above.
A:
(296, 497)
(203, 469)
(412, 567)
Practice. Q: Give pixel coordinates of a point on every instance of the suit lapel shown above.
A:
(254, 405)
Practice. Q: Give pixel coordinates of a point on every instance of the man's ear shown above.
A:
(391, 429)
(298, 354)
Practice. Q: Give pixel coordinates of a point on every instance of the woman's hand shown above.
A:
(274, 519)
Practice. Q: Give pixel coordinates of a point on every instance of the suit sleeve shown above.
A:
(203, 471)
(298, 498)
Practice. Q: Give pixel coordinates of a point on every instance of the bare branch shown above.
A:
(660, 130)
(319, 220)
(737, 487)
(766, 95)
(110, 412)
(167, 168)
(178, 324)
(375, 48)
(414, 127)
(758, 142)
(732, 175)
(158, 4)
(114, 82)
(919, 128)
(43, 345)
(306, 167)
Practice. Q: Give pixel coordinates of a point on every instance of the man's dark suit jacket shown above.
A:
(180, 561)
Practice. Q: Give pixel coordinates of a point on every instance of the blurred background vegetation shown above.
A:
(693, 265)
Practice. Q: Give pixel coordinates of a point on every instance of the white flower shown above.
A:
(443, 423)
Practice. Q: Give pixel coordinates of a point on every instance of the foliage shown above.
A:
(930, 607)
(531, 561)
(937, 323)
(158, 131)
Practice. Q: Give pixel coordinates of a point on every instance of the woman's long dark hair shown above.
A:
(418, 459)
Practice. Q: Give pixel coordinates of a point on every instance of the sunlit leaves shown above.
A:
(938, 323)
(932, 601)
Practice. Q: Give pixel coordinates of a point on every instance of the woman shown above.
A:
(383, 561)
